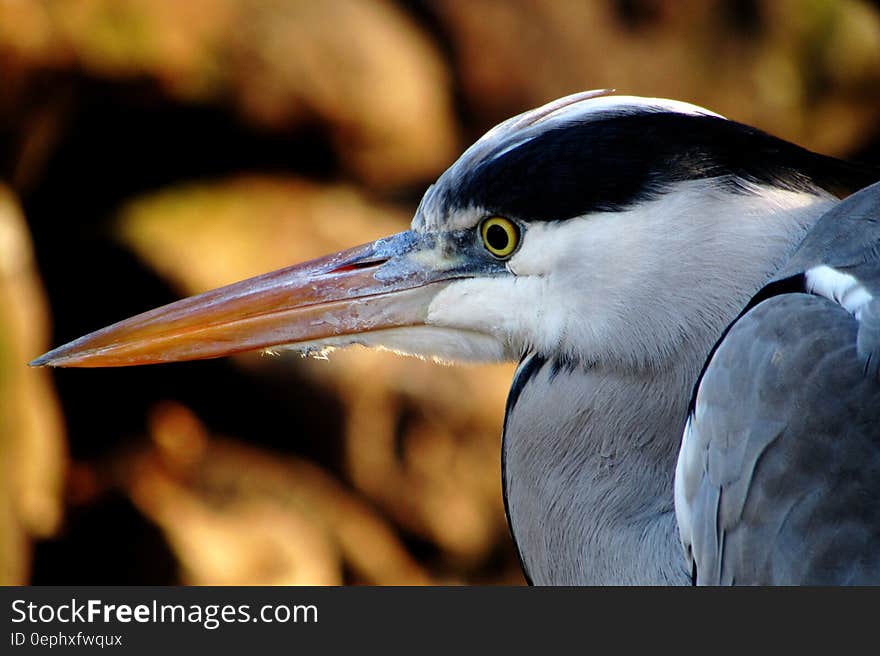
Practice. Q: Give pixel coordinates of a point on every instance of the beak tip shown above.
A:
(57, 357)
(49, 359)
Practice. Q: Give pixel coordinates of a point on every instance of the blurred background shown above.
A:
(151, 149)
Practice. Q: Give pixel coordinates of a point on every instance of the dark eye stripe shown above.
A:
(612, 163)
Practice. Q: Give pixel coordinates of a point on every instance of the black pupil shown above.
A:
(497, 237)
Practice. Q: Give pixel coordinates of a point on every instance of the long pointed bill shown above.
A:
(367, 288)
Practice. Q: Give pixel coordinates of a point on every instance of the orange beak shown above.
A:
(367, 288)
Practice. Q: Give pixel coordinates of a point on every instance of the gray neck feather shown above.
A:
(590, 448)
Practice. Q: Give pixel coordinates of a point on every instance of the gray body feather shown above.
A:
(779, 475)
(588, 476)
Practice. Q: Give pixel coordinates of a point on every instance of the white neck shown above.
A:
(589, 459)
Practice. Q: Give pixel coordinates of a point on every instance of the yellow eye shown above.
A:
(500, 236)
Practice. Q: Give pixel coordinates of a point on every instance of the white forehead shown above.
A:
(516, 131)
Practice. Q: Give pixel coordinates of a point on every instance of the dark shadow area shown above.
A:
(105, 543)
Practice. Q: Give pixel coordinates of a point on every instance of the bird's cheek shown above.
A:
(498, 307)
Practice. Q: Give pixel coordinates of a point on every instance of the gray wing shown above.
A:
(778, 480)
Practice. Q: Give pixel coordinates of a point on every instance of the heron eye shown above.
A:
(500, 236)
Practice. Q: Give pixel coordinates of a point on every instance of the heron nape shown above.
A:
(696, 316)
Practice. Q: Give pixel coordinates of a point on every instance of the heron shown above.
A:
(694, 305)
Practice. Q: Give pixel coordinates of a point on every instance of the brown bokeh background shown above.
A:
(155, 148)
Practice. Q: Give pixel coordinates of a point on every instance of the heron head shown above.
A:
(552, 233)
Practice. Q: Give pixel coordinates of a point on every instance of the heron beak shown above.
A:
(385, 284)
